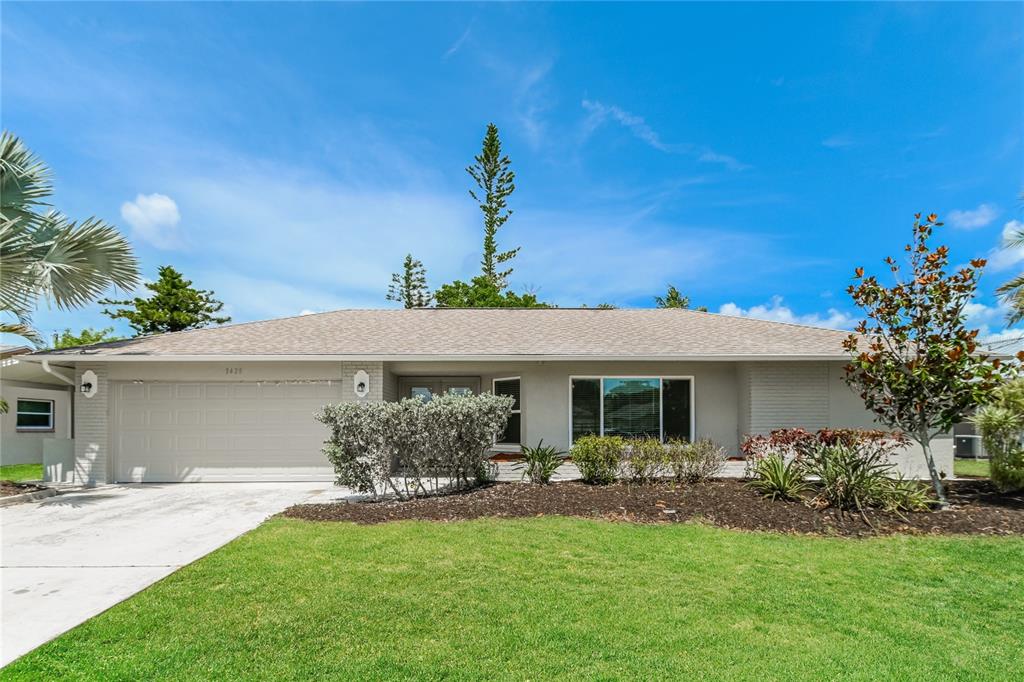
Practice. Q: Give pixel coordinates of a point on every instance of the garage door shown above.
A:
(220, 431)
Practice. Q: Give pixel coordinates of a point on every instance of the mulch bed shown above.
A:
(8, 488)
(978, 508)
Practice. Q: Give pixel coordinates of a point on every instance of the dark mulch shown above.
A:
(8, 488)
(978, 508)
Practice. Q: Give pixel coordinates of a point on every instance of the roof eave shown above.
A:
(306, 357)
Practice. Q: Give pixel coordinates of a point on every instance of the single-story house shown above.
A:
(235, 403)
(39, 406)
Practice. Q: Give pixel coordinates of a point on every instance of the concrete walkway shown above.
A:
(67, 558)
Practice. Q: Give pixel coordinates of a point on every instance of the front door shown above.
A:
(425, 388)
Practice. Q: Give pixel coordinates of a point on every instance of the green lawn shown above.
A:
(21, 472)
(559, 598)
(971, 467)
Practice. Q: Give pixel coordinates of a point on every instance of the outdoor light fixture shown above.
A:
(90, 383)
(361, 383)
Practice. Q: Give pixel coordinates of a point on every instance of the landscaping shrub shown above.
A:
(798, 443)
(693, 462)
(899, 494)
(645, 459)
(775, 477)
(598, 458)
(410, 448)
(851, 477)
(1001, 425)
(540, 463)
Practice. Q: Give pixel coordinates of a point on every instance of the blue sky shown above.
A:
(287, 156)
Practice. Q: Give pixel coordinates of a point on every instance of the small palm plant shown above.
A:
(539, 463)
(775, 478)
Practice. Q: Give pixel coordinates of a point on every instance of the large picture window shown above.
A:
(34, 415)
(632, 407)
(512, 435)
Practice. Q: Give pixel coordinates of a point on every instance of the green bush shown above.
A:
(540, 463)
(1001, 425)
(646, 459)
(900, 494)
(598, 458)
(775, 478)
(693, 462)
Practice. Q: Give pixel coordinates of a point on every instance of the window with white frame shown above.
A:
(513, 433)
(34, 415)
(632, 407)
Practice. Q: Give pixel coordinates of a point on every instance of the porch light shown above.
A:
(361, 384)
(90, 383)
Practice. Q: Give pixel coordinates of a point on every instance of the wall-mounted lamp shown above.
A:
(361, 384)
(90, 383)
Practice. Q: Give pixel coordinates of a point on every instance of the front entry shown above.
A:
(425, 388)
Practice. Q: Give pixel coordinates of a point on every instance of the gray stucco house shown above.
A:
(235, 403)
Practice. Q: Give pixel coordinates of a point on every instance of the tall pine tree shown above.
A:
(409, 287)
(495, 181)
(174, 306)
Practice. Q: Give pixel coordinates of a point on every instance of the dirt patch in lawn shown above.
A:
(8, 488)
(978, 508)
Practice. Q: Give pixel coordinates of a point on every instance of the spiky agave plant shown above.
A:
(44, 254)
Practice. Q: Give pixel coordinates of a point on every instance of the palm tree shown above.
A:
(44, 254)
(1012, 292)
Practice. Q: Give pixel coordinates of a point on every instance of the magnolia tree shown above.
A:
(913, 361)
(410, 448)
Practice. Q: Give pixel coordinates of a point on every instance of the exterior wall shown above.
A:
(545, 391)
(93, 415)
(26, 447)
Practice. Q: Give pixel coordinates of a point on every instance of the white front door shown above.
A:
(220, 431)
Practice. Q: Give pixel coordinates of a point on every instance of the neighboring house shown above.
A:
(39, 406)
(236, 402)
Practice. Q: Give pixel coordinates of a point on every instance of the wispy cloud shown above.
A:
(599, 113)
(154, 218)
(840, 141)
(459, 42)
(972, 219)
(776, 311)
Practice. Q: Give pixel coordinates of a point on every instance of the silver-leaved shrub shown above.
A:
(411, 448)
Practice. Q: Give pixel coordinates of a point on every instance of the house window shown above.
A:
(512, 435)
(632, 407)
(34, 415)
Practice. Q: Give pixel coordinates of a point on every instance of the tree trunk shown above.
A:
(940, 490)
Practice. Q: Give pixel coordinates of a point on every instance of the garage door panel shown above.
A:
(226, 432)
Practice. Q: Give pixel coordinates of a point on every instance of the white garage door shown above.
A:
(220, 431)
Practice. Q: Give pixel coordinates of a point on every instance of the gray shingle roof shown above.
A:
(482, 333)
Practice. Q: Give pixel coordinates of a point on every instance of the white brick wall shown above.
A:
(91, 428)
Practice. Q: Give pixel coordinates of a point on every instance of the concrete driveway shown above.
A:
(67, 558)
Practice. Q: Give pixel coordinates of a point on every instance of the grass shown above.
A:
(21, 472)
(560, 598)
(971, 467)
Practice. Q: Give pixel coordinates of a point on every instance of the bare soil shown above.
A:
(977, 508)
(8, 488)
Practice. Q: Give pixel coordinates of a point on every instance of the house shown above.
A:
(39, 406)
(235, 403)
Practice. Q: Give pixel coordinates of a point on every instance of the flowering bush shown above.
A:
(410, 448)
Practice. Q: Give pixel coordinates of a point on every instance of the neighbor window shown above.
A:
(632, 407)
(512, 435)
(35, 415)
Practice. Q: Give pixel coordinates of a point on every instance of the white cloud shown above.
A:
(840, 141)
(730, 162)
(775, 311)
(974, 218)
(1004, 256)
(154, 218)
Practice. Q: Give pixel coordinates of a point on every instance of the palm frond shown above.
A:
(24, 179)
(23, 330)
